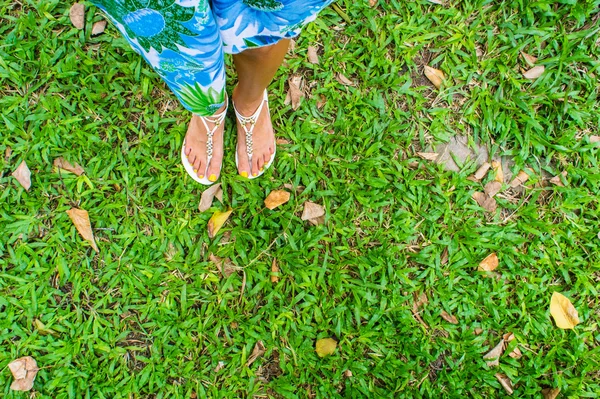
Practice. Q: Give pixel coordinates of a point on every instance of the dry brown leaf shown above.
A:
(534, 72)
(295, 92)
(208, 196)
(478, 330)
(505, 382)
(325, 346)
(529, 59)
(550, 393)
(448, 317)
(439, 2)
(62, 163)
(217, 221)
(435, 76)
(445, 256)
(482, 171)
(492, 188)
(593, 139)
(520, 179)
(81, 220)
(24, 371)
(23, 175)
(98, 28)
(8, 153)
(557, 181)
(419, 301)
(562, 310)
(258, 351)
(429, 156)
(486, 202)
(220, 366)
(497, 166)
(492, 358)
(274, 271)
(313, 57)
(344, 80)
(276, 198)
(516, 353)
(508, 337)
(225, 266)
(348, 373)
(489, 264)
(77, 15)
(312, 211)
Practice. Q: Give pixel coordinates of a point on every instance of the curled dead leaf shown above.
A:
(492, 358)
(557, 181)
(23, 175)
(419, 301)
(482, 171)
(435, 76)
(274, 271)
(8, 153)
(520, 179)
(529, 59)
(448, 317)
(325, 346)
(258, 351)
(62, 163)
(562, 310)
(485, 201)
(313, 57)
(505, 382)
(534, 72)
(295, 92)
(492, 188)
(225, 266)
(81, 220)
(489, 264)
(77, 15)
(208, 196)
(516, 353)
(428, 156)
(98, 28)
(550, 393)
(24, 370)
(277, 198)
(344, 80)
(217, 221)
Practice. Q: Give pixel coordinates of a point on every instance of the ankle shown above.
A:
(244, 103)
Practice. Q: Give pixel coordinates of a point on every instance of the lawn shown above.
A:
(150, 315)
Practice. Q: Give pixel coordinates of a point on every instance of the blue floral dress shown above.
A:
(185, 40)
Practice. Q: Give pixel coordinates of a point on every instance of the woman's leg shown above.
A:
(256, 69)
(181, 41)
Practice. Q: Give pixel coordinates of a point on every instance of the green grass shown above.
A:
(151, 317)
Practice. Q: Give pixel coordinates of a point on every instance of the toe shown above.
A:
(243, 164)
(214, 168)
(267, 157)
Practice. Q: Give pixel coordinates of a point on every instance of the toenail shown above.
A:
(201, 176)
(244, 174)
(212, 178)
(195, 170)
(254, 174)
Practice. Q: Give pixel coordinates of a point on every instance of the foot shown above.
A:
(263, 137)
(196, 141)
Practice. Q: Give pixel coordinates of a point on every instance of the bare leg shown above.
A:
(256, 68)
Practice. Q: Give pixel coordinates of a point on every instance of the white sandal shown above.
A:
(244, 121)
(217, 120)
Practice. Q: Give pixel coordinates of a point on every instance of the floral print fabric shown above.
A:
(185, 40)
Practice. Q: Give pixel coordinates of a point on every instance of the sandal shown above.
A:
(217, 120)
(251, 120)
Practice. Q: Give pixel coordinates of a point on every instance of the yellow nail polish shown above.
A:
(201, 176)
(212, 178)
(244, 174)
(262, 169)
(195, 170)
(254, 174)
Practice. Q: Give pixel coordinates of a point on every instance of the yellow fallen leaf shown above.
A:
(564, 313)
(81, 220)
(489, 264)
(24, 371)
(216, 222)
(23, 175)
(325, 346)
(435, 76)
(276, 198)
(497, 166)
